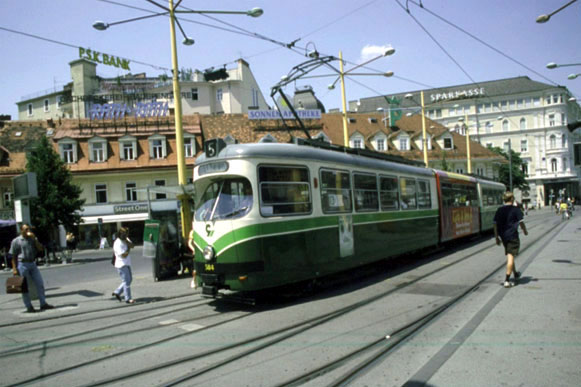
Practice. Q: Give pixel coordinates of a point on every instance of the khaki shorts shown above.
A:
(512, 247)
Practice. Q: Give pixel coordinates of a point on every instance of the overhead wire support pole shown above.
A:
(469, 161)
(344, 101)
(186, 215)
(424, 138)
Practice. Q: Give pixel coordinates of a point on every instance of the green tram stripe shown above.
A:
(263, 230)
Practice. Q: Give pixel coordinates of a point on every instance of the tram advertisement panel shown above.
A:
(459, 206)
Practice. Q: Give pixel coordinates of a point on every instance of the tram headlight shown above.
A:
(209, 253)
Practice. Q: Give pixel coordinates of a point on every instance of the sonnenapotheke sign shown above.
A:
(314, 114)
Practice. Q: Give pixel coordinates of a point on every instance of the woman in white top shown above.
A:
(121, 248)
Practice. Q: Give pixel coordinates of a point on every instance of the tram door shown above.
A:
(346, 245)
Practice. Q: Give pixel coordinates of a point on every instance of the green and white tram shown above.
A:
(271, 214)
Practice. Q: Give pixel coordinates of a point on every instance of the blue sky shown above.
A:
(357, 28)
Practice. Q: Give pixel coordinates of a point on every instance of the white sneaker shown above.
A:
(193, 284)
(507, 284)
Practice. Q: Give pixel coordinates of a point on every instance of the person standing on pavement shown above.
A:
(23, 253)
(121, 249)
(506, 222)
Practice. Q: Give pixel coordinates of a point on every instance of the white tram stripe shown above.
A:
(311, 229)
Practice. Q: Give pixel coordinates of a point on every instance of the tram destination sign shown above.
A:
(311, 114)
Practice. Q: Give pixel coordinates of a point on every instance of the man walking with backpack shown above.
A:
(506, 222)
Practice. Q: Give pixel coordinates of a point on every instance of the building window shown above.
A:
(98, 150)
(447, 143)
(29, 109)
(8, 199)
(160, 195)
(195, 93)
(219, 94)
(523, 123)
(157, 147)
(128, 152)
(564, 164)
(536, 101)
(254, 97)
(564, 141)
(480, 171)
(551, 120)
(59, 102)
(403, 144)
(357, 143)
(553, 141)
(68, 152)
(524, 146)
(563, 119)
(553, 165)
(131, 192)
(505, 126)
(525, 169)
(506, 147)
(46, 106)
(189, 146)
(488, 127)
(381, 144)
(100, 193)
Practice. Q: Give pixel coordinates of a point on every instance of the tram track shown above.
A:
(285, 333)
(386, 345)
(272, 338)
(50, 343)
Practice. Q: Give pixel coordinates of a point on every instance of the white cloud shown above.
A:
(370, 52)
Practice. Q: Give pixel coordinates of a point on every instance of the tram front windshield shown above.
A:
(225, 199)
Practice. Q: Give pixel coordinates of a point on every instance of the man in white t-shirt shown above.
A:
(121, 249)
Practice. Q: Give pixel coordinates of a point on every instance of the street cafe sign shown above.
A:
(457, 94)
(110, 60)
(109, 111)
(129, 208)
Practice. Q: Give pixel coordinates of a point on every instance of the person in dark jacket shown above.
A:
(506, 222)
(23, 251)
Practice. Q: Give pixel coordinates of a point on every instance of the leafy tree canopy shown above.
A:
(518, 176)
(58, 198)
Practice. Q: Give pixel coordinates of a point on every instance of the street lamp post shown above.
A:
(186, 218)
(545, 18)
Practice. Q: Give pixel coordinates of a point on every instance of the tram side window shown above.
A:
(335, 191)
(365, 192)
(388, 193)
(284, 190)
(424, 197)
(447, 195)
(408, 193)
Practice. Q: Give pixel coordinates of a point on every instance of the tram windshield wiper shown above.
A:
(232, 213)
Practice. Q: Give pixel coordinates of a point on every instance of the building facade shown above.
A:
(225, 91)
(535, 119)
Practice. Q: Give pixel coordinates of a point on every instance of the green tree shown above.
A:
(58, 198)
(518, 176)
(445, 165)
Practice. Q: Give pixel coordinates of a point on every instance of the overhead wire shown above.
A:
(75, 46)
(455, 61)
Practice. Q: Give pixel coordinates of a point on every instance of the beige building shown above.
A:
(535, 119)
(224, 91)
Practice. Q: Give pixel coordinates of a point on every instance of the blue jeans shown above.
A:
(32, 275)
(126, 278)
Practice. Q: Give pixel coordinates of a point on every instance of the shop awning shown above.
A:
(114, 218)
